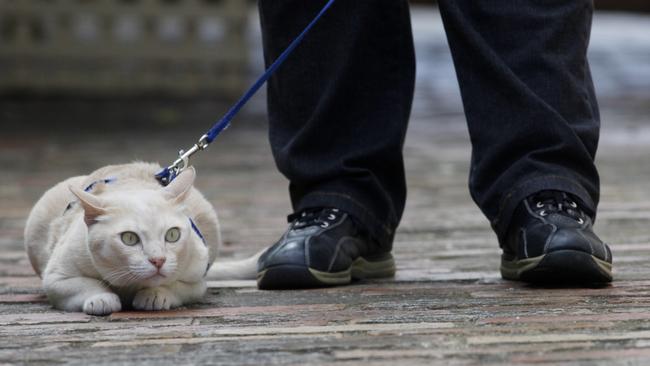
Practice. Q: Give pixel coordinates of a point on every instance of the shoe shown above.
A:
(551, 240)
(322, 247)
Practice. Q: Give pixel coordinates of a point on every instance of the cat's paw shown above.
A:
(102, 304)
(156, 298)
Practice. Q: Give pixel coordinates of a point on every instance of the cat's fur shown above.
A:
(79, 252)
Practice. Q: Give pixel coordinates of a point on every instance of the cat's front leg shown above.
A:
(80, 294)
(169, 296)
(156, 298)
(102, 304)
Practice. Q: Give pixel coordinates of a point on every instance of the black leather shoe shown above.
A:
(322, 247)
(551, 240)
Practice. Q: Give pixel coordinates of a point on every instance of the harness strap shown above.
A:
(197, 231)
(93, 184)
(89, 188)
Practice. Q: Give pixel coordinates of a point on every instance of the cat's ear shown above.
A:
(92, 205)
(179, 188)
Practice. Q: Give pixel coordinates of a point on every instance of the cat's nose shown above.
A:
(157, 261)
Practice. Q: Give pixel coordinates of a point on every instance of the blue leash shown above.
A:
(169, 173)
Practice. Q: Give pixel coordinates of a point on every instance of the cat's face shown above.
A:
(142, 243)
(140, 238)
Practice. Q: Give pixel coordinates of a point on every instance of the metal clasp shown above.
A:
(183, 160)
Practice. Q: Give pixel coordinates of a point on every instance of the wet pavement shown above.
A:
(447, 304)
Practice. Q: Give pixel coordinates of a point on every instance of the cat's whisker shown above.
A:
(131, 279)
(126, 278)
(115, 277)
(111, 275)
(141, 270)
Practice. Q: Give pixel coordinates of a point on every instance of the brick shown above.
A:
(43, 318)
(231, 311)
(23, 298)
(568, 318)
(581, 356)
(232, 284)
(21, 282)
(228, 333)
(571, 337)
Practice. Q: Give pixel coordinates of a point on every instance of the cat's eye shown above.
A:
(129, 238)
(173, 235)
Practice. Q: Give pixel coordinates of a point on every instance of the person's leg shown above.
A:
(529, 102)
(339, 107)
(528, 98)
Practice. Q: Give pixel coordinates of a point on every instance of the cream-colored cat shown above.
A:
(116, 238)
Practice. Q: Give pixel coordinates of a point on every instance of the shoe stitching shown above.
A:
(275, 247)
(307, 257)
(308, 240)
(338, 245)
(591, 247)
(336, 253)
(522, 231)
(543, 220)
(532, 213)
(550, 237)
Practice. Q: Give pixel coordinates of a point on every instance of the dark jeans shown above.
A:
(339, 107)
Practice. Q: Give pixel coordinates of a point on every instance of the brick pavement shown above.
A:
(447, 304)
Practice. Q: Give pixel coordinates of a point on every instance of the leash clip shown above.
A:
(183, 160)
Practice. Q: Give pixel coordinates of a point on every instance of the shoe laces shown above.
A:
(322, 217)
(556, 202)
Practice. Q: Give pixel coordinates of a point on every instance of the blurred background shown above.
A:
(129, 63)
(86, 83)
(166, 63)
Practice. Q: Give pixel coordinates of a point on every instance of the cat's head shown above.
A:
(140, 237)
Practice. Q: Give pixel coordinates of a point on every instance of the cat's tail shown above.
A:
(245, 269)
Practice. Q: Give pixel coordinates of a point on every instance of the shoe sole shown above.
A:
(560, 267)
(295, 276)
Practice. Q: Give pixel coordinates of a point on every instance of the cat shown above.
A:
(118, 239)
